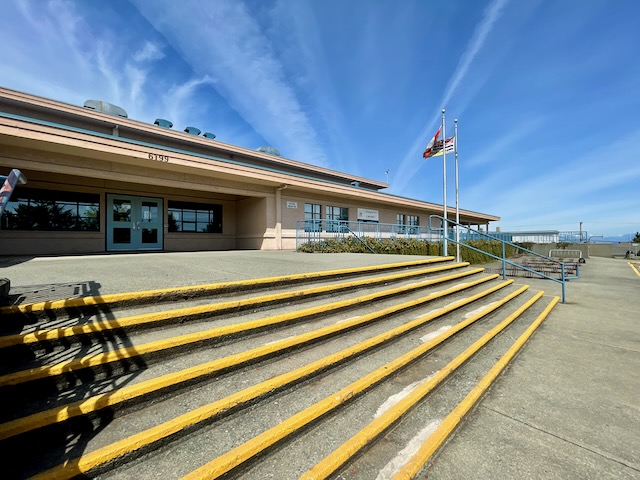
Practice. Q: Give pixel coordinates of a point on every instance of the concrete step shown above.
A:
(262, 346)
(75, 362)
(223, 392)
(68, 326)
(239, 438)
(82, 306)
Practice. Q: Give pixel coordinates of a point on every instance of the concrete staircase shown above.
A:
(324, 375)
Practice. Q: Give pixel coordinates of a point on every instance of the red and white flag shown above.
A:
(429, 151)
(449, 147)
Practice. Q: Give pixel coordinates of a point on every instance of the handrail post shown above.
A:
(563, 280)
(504, 262)
(445, 225)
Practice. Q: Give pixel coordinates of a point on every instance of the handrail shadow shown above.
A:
(42, 448)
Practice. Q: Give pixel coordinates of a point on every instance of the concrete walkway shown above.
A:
(567, 407)
(48, 278)
(569, 404)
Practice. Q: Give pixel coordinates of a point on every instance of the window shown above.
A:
(195, 217)
(400, 223)
(413, 221)
(52, 210)
(312, 221)
(336, 215)
(407, 223)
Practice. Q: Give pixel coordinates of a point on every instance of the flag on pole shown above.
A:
(9, 183)
(449, 147)
(428, 152)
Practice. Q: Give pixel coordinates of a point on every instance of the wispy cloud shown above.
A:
(78, 60)
(582, 187)
(489, 18)
(234, 50)
(180, 101)
(411, 162)
(303, 53)
(332, 84)
(148, 53)
(506, 141)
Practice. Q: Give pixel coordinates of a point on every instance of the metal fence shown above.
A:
(550, 236)
(313, 231)
(541, 266)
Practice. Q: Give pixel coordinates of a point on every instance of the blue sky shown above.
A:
(547, 92)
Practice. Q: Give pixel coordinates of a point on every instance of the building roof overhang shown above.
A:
(19, 130)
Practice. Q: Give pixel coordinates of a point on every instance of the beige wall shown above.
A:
(251, 225)
(47, 243)
(250, 210)
(290, 216)
(386, 215)
(42, 243)
(248, 222)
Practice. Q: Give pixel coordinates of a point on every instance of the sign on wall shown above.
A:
(292, 204)
(367, 214)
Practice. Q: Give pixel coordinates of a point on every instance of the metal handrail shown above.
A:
(444, 229)
(361, 240)
(317, 230)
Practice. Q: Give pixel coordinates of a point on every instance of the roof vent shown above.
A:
(355, 184)
(161, 122)
(104, 107)
(192, 130)
(269, 150)
(209, 135)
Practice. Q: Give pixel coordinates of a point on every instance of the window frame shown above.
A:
(336, 218)
(207, 215)
(413, 224)
(312, 217)
(57, 207)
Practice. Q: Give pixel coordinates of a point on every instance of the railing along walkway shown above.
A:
(453, 231)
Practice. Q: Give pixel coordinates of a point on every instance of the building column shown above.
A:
(279, 218)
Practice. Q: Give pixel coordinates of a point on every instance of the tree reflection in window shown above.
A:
(37, 209)
(194, 217)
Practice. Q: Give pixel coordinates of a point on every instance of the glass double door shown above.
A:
(134, 223)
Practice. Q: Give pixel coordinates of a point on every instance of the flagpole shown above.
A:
(455, 144)
(444, 190)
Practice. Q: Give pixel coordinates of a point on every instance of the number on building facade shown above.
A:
(158, 157)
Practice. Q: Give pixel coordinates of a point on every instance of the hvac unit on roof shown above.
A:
(269, 150)
(192, 131)
(161, 122)
(104, 107)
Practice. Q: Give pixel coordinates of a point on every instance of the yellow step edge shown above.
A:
(95, 403)
(147, 318)
(105, 455)
(209, 288)
(89, 361)
(378, 426)
(635, 269)
(237, 456)
(436, 439)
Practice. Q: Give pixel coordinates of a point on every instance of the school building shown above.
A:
(99, 181)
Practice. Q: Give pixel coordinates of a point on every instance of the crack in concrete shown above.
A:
(601, 454)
